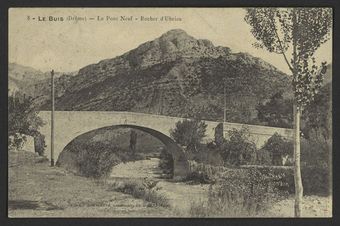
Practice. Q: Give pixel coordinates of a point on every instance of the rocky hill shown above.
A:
(35, 83)
(176, 75)
(19, 76)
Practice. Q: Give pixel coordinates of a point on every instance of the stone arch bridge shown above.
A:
(71, 124)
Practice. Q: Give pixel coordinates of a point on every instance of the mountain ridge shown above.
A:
(174, 74)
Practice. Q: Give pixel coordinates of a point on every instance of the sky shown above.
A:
(68, 46)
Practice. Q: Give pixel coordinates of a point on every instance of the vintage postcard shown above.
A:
(170, 112)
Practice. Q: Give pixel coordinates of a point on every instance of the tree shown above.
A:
(238, 149)
(296, 34)
(317, 116)
(278, 147)
(23, 119)
(189, 133)
(133, 142)
(276, 112)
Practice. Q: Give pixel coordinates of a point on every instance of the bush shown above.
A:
(166, 163)
(189, 133)
(142, 189)
(97, 160)
(39, 144)
(263, 157)
(202, 173)
(277, 147)
(242, 193)
(16, 141)
(22, 117)
(239, 149)
(276, 112)
(208, 154)
(316, 164)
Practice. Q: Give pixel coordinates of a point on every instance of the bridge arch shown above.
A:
(181, 165)
(70, 124)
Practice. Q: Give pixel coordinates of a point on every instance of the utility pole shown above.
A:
(52, 118)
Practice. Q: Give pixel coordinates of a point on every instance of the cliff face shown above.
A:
(177, 75)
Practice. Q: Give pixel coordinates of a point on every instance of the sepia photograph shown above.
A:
(170, 112)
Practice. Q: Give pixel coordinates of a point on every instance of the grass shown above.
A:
(40, 187)
(226, 205)
(142, 189)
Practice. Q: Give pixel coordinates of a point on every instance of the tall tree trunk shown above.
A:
(297, 166)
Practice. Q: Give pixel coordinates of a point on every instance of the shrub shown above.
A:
(263, 157)
(242, 193)
(219, 134)
(22, 117)
(97, 160)
(239, 149)
(200, 173)
(276, 112)
(142, 189)
(189, 133)
(209, 154)
(166, 163)
(203, 173)
(316, 164)
(39, 144)
(277, 146)
(16, 141)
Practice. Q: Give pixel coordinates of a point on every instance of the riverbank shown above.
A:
(37, 190)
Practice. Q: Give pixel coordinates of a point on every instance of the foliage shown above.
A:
(166, 163)
(238, 149)
(300, 30)
(304, 29)
(16, 141)
(142, 189)
(278, 147)
(242, 193)
(133, 142)
(203, 173)
(219, 136)
(316, 164)
(264, 157)
(276, 112)
(97, 159)
(209, 153)
(22, 117)
(39, 144)
(316, 151)
(317, 117)
(316, 181)
(189, 133)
